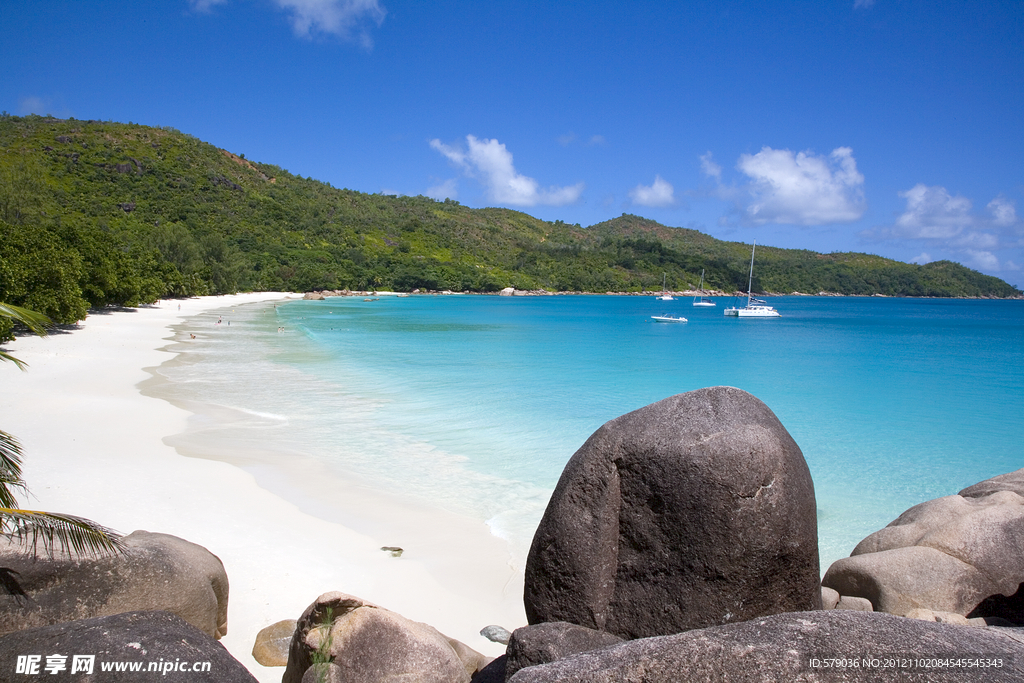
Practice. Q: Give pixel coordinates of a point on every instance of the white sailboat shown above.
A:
(755, 308)
(702, 300)
(665, 296)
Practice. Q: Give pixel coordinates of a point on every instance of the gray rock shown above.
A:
(472, 661)
(493, 672)
(943, 617)
(1012, 481)
(273, 643)
(324, 673)
(364, 642)
(160, 572)
(693, 511)
(953, 554)
(549, 642)
(783, 647)
(855, 603)
(829, 598)
(496, 634)
(162, 645)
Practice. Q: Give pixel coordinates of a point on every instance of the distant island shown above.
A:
(97, 213)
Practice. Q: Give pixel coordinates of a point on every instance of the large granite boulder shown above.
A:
(692, 511)
(961, 554)
(551, 641)
(159, 572)
(129, 647)
(344, 638)
(826, 646)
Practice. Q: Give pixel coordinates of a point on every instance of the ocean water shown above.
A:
(474, 403)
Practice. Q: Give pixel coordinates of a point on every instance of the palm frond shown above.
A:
(10, 469)
(34, 321)
(8, 357)
(54, 531)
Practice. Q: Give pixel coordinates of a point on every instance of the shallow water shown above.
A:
(475, 403)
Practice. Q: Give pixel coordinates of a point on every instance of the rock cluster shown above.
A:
(680, 544)
(688, 528)
(958, 555)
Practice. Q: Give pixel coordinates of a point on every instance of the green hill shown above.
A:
(95, 213)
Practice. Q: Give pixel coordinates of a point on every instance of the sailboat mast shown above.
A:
(750, 278)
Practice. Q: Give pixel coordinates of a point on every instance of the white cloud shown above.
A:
(977, 240)
(41, 106)
(659, 195)
(709, 168)
(491, 163)
(449, 189)
(803, 189)
(922, 258)
(32, 105)
(342, 18)
(204, 5)
(1003, 211)
(932, 213)
(454, 155)
(596, 140)
(947, 223)
(982, 260)
(339, 17)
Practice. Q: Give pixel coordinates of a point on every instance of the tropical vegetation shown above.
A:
(94, 213)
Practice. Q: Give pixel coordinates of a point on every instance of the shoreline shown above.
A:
(317, 295)
(285, 531)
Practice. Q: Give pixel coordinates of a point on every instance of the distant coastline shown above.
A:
(686, 293)
(157, 214)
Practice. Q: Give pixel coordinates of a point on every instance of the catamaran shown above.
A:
(755, 308)
(702, 300)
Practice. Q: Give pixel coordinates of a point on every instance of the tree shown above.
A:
(32, 528)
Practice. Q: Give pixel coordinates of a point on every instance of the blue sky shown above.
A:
(893, 127)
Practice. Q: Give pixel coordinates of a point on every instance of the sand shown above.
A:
(94, 446)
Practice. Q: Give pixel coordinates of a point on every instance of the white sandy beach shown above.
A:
(94, 446)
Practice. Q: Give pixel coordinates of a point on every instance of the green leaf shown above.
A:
(10, 469)
(53, 531)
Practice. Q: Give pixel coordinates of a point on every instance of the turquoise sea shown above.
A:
(475, 403)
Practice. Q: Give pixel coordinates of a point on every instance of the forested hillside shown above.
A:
(95, 213)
